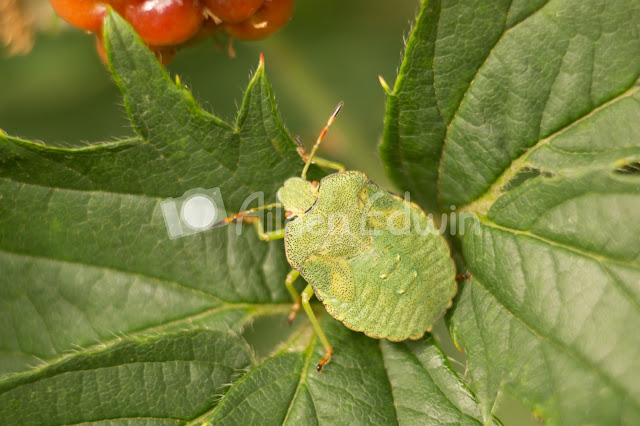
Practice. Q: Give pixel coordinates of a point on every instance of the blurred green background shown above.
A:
(332, 50)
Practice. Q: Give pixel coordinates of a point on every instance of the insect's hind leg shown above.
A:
(307, 294)
(291, 277)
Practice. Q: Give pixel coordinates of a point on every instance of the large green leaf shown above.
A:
(105, 319)
(370, 382)
(153, 380)
(527, 114)
(83, 233)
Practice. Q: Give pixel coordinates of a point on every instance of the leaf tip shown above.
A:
(110, 20)
(260, 70)
(113, 24)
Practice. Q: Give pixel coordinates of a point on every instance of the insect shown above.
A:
(375, 260)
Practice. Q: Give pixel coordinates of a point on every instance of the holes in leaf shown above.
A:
(629, 169)
(524, 175)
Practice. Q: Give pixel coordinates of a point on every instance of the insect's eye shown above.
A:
(288, 214)
(315, 184)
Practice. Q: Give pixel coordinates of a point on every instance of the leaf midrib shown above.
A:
(103, 367)
(303, 380)
(255, 310)
(598, 257)
(91, 148)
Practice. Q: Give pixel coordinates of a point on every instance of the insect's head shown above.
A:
(298, 195)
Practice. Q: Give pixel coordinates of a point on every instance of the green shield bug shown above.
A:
(375, 260)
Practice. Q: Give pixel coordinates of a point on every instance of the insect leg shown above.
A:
(291, 277)
(278, 234)
(328, 164)
(257, 222)
(244, 213)
(328, 350)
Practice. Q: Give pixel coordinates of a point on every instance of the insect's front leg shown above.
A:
(307, 294)
(256, 221)
(278, 234)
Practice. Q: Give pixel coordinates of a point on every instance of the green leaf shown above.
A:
(99, 306)
(83, 233)
(369, 381)
(527, 114)
(160, 379)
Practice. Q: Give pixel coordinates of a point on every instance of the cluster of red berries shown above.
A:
(166, 24)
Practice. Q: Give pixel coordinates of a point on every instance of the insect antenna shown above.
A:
(324, 132)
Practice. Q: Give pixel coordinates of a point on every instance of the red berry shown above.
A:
(233, 11)
(85, 14)
(165, 22)
(208, 29)
(272, 16)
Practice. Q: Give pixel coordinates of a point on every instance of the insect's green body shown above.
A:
(375, 260)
